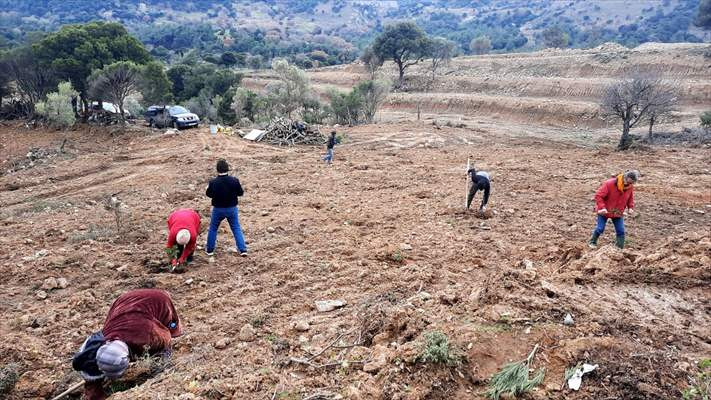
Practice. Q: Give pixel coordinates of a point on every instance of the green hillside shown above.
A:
(326, 32)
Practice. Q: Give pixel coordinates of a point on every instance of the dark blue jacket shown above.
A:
(332, 140)
(224, 190)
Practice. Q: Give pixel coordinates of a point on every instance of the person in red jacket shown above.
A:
(183, 230)
(139, 321)
(611, 199)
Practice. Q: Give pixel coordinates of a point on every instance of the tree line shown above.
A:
(63, 75)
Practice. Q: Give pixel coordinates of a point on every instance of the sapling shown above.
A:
(172, 252)
(513, 378)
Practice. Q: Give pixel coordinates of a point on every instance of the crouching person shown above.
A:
(480, 181)
(139, 321)
(183, 230)
(611, 199)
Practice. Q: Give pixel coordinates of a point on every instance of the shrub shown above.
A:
(480, 45)
(360, 104)
(345, 107)
(244, 104)
(8, 377)
(203, 105)
(57, 109)
(705, 120)
(132, 104)
(373, 94)
(701, 385)
(438, 350)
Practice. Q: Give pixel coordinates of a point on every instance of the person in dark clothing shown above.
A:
(139, 321)
(329, 147)
(480, 181)
(224, 191)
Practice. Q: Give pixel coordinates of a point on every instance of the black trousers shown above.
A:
(180, 253)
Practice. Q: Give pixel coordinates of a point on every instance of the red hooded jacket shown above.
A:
(183, 219)
(614, 198)
(142, 319)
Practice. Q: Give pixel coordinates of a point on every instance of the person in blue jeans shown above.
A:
(329, 148)
(224, 191)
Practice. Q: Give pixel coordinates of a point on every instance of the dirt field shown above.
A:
(384, 230)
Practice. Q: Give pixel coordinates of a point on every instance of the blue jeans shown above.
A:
(618, 222)
(218, 214)
(329, 156)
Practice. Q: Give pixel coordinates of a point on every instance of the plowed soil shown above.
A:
(383, 229)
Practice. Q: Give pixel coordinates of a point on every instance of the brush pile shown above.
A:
(284, 132)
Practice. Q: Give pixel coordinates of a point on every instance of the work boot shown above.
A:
(592, 243)
(620, 242)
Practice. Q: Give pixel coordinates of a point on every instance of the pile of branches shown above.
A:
(284, 132)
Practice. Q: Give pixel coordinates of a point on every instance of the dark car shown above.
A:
(173, 116)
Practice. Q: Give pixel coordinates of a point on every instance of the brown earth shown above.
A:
(382, 229)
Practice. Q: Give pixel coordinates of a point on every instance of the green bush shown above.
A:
(700, 388)
(438, 350)
(57, 109)
(8, 377)
(705, 119)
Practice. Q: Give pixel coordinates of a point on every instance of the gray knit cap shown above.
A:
(633, 175)
(112, 359)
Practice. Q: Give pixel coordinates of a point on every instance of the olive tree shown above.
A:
(114, 83)
(441, 52)
(404, 43)
(57, 108)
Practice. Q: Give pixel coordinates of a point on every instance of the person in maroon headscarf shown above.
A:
(139, 321)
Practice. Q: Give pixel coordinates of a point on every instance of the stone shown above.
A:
(41, 294)
(265, 213)
(379, 360)
(301, 325)
(62, 283)
(528, 264)
(568, 320)
(501, 312)
(223, 343)
(528, 275)
(448, 297)
(122, 268)
(381, 337)
(271, 229)
(189, 281)
(409, 352)
(329, 305)
(50, 283)
(405, 246)
(247, 333)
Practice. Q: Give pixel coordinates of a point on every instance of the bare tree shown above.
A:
(441, 52)
(632, 99)
(372, 61)
(665, 103)
(480, 45)
(115, 82)
(32, 82)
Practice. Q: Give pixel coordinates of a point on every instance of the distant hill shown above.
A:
(326, 32)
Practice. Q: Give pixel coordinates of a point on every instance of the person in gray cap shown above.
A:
(139, 321)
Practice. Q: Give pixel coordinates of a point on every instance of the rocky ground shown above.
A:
(384, 231)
